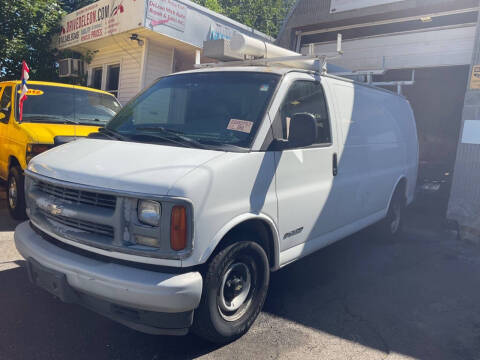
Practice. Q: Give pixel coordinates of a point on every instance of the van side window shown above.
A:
(305, 97)
(6, 102)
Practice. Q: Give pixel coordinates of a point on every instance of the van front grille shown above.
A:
(86, 226)
(77, 196)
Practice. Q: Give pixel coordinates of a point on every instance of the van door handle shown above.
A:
(335, 165)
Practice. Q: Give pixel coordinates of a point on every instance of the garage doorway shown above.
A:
(437, 99)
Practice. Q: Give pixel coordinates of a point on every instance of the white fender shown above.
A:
(237, 221)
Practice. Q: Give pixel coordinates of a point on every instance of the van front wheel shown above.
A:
(16, 194)
(234, 291)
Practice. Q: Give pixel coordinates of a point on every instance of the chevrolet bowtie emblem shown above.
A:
(54, 209)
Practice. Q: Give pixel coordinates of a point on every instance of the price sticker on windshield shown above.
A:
(240, 125)
(32, 92)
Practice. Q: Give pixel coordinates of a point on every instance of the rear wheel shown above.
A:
(234, 291)
(392, 225)
(16, 194)
(396, 217)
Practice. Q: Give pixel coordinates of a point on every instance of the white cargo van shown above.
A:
(174, 216)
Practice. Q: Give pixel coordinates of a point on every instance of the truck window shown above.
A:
(215, 108)
(57, 104)
(305, 97)
(6, 102)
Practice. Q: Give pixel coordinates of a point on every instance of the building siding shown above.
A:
(128, 54)
(159, 62)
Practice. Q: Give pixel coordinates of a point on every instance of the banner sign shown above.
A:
(346, 5)
(100, 19)
(471, 132)
(181, 20)
(166, 12)
(475, 78)
(219, 31)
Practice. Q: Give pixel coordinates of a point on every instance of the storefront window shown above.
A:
(113, 75)
(96, 81)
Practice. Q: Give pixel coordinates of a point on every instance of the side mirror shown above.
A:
(303, 130)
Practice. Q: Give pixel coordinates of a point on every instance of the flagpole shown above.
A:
(23, 94)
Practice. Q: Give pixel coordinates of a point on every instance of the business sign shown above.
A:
(475, 79)
(177, 19)
(346, 5)
(100, 19)
(166, 13)
(471, 132)
(219, 31)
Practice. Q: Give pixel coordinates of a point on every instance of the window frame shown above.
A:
(107, 73)
(329, 117)
(92, 77)
(105, 66)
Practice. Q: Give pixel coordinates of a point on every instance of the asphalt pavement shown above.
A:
(361, 298)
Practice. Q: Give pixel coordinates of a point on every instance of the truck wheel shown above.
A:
(234, 291)
(16, 194)
(392, 225)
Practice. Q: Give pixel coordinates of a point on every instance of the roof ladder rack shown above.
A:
(368, 74)
(252, 52)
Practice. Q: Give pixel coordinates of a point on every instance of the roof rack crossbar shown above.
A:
(321, 59)
(399, 84)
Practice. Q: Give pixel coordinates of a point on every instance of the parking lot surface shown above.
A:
(362, 298)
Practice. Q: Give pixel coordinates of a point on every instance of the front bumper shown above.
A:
(148, 301)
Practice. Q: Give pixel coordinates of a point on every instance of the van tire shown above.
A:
(16, 193)
(242, 264)
(392, 226)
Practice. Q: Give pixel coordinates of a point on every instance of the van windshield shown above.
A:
(56, 104)
(220, 110)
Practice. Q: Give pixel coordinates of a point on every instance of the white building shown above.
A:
(133, 42)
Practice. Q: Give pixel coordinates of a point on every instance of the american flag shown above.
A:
(23, 94)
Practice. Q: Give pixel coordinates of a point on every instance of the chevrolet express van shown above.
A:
(53, 114)
(174, 217)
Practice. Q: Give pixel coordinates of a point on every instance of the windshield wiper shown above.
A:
(91, 120)
(224, 146)
(71, 121)
(171, 135)
(112, 134)
(55, 119)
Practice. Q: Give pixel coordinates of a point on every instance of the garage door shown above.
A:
(347, 5)
(432, 48)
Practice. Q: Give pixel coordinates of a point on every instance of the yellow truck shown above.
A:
(53, 114)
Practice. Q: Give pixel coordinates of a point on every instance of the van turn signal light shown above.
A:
(178, 228)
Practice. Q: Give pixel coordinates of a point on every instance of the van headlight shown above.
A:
(36, 149)
(149, 212)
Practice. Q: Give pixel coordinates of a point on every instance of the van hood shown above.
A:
(123, 166)
(44, 133)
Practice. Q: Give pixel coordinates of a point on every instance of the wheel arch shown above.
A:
(260, 225)
(13, 161)
(402, 184)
